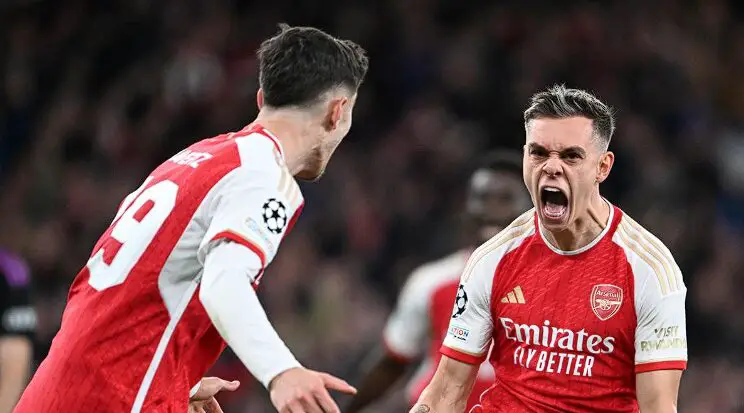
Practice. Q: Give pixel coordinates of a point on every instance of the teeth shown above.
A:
(551, 189)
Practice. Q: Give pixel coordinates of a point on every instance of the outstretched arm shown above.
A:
(404, 338)
(385, 371)
(657, 391)
(450, 388)
(231, 303)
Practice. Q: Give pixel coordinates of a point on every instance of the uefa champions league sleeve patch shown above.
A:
(461, 302)
(275, 216)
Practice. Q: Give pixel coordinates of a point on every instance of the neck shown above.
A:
(585, 228)
(293, 130)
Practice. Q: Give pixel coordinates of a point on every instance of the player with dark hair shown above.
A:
(495, 197)
(17, 328)
(171, 282)
(586, 309)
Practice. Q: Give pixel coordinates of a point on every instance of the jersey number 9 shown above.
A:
(140, 216)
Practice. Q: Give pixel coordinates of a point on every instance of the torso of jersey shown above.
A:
(421, 319)
(570, 330)
(134, 335)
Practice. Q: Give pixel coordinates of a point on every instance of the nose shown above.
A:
(553, 166)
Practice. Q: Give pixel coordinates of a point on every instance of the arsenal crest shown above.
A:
(606, 300)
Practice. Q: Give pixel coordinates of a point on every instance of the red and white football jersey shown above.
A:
(421, 318)
(134, 335)
(570, 329)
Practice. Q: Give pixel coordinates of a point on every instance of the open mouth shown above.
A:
(554, 202)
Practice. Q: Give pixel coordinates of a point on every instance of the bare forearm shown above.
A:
(450, 388)
(384, 373)
(15, 360)
(444, 396)
(659, 408)
(657, 391)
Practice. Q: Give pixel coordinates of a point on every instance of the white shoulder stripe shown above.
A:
(665, 255)
(653, 253)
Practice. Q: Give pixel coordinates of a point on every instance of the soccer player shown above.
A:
(17, 328)
(171, 282)
(495, 197)
(586, 308)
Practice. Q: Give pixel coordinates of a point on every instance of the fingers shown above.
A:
(326, 402)
(293, 407)
(196, 408)
(212, 406)
(334, 383)
(230, 385)
(310, 405)
(221, 384)
(212, 385)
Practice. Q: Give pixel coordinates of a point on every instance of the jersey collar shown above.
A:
(586, 247)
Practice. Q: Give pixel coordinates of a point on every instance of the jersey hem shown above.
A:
(661, 365)
(462, 357)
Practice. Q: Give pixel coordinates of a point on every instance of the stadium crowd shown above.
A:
(95, 94)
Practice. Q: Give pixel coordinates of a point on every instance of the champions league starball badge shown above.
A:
(461, 302)
(274, 215)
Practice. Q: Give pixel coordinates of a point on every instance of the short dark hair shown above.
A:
(562, 102)
(299, 64)
(501, 160)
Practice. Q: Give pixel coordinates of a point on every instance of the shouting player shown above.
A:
(175, 273)
(586, 308)
(496, 196)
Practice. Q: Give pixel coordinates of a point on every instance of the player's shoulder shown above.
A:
(253, 148)
(491, 252)
(650, 259)
(440, 271)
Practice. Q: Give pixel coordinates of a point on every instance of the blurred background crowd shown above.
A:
(94, 94)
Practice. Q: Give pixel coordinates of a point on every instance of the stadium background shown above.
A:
(95, 94)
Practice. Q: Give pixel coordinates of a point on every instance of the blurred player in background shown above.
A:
(174, 275)
(17, 328)
(495, 197)
(586, 308)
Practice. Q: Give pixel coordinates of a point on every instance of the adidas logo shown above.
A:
(514, 297)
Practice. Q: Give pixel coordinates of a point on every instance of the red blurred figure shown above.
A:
(418, 325)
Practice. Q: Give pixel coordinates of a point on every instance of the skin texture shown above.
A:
(310, 135)
(657, 391)
(564, 153)
(449, 389)
(15, 365)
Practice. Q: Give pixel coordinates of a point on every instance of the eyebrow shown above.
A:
(571, 149)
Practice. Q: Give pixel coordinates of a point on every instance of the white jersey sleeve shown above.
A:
(471, 326)
(233, 307)
(661, 334)
(406, 330)
(408, 327)
(255, 204)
